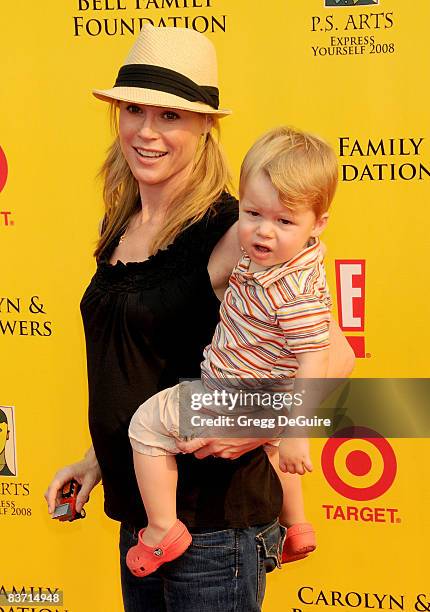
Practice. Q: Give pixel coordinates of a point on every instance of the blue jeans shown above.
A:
(222, 571)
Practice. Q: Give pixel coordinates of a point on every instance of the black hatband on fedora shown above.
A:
(169, 81)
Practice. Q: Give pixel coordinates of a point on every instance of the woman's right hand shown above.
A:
(226, 448)
(86, 472)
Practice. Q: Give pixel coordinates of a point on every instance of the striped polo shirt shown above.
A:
(267, 317)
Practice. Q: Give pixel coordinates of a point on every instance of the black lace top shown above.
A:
(146, 325)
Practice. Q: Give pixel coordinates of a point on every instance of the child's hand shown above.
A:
(294, 456)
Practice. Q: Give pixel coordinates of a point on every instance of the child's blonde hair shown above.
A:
(303, 168)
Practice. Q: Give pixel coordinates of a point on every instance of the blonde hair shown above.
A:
(303, 168)
(209, 178)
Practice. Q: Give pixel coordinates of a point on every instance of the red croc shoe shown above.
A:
(143, 559)
(300, 541)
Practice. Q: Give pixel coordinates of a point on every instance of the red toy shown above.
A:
(66, 510)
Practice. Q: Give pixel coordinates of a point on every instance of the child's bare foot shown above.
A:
(154, 534)
(289, 517)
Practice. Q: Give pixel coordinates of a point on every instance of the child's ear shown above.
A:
(320, 225)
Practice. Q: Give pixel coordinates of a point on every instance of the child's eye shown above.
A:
(253, 213)
(285, 221)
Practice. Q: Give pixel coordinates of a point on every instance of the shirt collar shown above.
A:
(307, 258)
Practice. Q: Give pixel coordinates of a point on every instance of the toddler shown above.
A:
(274, 325)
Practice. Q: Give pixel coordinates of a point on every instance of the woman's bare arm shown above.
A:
(341, 357)
(223, 258)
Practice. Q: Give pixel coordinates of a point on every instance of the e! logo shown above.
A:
(3, 169)
(360, 465)
(350, 285)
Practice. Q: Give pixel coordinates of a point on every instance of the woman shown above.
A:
(167, 247)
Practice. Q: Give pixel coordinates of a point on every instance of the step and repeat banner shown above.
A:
(352, 71)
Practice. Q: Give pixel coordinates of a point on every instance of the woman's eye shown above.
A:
(133, 108)
(170, 115)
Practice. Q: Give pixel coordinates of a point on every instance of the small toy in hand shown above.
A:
(66, 510)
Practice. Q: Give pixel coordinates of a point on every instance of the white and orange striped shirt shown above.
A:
(267, 317)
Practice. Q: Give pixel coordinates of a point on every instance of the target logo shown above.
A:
(360, 465)
(3, 169)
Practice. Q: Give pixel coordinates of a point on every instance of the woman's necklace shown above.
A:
(128, 232)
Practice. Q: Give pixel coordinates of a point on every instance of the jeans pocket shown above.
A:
(225, 538)
(270, 542)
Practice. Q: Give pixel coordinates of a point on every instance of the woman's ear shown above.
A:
(320, 225)
(208, 125)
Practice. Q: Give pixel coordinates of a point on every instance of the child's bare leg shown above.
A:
(293, 510)
(157, 477)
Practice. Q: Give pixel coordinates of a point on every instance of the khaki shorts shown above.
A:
(155, 426)
(166, 417)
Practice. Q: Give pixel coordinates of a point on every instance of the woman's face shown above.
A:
(159, 143)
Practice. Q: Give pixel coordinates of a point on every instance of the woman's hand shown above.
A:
(86, 472)
(226, 448)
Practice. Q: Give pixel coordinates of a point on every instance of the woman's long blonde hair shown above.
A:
(209, 178)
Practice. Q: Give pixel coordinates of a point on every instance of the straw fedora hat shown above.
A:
(170, 67)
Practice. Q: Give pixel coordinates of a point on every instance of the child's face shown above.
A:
(268, 231)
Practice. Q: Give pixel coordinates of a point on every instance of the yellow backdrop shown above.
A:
(355, 73)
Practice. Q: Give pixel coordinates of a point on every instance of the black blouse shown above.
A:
(146, 325)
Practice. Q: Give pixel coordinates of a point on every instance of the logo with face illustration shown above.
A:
(7, 442)
(350, 2)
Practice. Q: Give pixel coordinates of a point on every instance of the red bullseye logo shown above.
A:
(3, 169)
(358, 463)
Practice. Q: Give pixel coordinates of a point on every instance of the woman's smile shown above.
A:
(149, 154)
